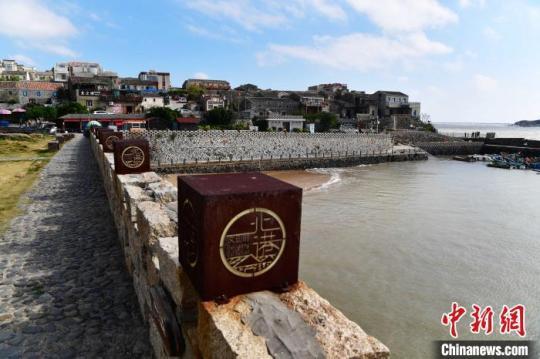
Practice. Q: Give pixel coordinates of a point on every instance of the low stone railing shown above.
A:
(295, 324)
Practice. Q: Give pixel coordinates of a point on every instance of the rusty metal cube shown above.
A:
(238, 233)
(109, 138)
(101, 132)
(131, 156)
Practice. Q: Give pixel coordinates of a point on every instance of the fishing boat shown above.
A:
(500, 164)
(482, 157)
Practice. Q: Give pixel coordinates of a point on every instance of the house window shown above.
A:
(89, 103)
(38, 93)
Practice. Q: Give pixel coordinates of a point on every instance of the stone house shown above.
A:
(25, 92)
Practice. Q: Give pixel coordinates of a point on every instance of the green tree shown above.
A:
(177, 91)
(247, 87)
(165, 114)
(260, 123)
(219, 117)
(194, 92)
(41, 113)
(324, 121)
(70, 107)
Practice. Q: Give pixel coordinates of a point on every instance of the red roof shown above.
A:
(31, 85)
(188, 120)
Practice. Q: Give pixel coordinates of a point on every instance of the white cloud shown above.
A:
(32, 25)
(491, 34)
(483, 83)
(329, 9)
(405, 15)
(472, 3)
(200, 76)
(29, 19)
(358, 51)
(223, 34)
(453, 66)
(95, 17)
(242, 12)
(23, 59)
(254, 16)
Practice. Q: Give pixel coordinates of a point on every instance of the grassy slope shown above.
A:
(16, 177)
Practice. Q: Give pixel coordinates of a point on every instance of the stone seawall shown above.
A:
(295, 324)
(451, 148)
(292, 163)
(175, 147)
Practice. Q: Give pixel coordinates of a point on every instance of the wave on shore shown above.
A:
(334, 173)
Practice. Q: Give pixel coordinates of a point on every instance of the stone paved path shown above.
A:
(64, 291)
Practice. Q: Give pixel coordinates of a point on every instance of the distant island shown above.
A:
(528, 123)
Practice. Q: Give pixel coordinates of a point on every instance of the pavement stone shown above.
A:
(62, 269)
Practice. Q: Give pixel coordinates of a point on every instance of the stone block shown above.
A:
(133, 195)
(153, 223)
(287, 335)
(53, 146)
(163, 191)
(140, 179)
(222, 334)
(172, 275)
(339, 337)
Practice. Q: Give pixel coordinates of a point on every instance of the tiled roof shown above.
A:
(31, 85)
(131, 116)
(187, 120)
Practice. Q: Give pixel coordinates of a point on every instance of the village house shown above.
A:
(88, 91)
(136, 85)
(328, 88)
(285, 122)
(394, 110)
(25, 92)
(212, 102)
(150, 100)
(211, 85)
(162, 79)
(262, 107)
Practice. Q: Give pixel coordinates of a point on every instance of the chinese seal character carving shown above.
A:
(132, 157)
(252, 242)
(109, 141)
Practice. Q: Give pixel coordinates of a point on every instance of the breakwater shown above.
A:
(451, 148)
(297, 323)
(512, 145)
(341, 160)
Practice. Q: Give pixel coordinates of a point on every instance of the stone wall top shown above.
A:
(295, 324)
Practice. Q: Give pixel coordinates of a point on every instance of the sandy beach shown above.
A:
(304, 179)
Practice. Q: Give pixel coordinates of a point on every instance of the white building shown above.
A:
(151, 100)
(63, 70)
(312, 101)
(213, 102)
(285, 122)
(415, 109)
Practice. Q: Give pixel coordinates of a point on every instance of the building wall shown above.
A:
(264, 106)
(151, 102)
(163, 79)
(415, 109)
(90, 102)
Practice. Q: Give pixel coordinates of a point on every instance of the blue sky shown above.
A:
(465, 60)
